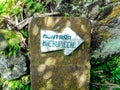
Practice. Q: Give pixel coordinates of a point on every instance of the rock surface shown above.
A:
(12, 67)
(105, 36)
(88, 8)
(105, 19)
(54, 70)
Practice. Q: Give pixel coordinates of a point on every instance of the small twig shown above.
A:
(58, 4)
(46, 14)
(23, 42)
(98, 84)
(23, 23)
(16, 20)
(26, 21)
(110, 85)
(100, 71)
(19, 25)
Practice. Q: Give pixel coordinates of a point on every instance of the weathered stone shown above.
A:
(111, 16)
(13, 67)
(53, 70)
(105, 38)
(89, 8)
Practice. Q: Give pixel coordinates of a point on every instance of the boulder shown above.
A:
(106, 35)
(88, 8)
(13, 67)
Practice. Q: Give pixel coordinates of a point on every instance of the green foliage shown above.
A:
(1, 82)
(66, 14)
(102, 8)
(107, 71)
(13, 84)
(24, 33)
(7, 7)
(20, 84)
(55, 1)
(2, 6)
(18, 9)
(13, 40)
(116, 75)
(32, 6)
(13, 43)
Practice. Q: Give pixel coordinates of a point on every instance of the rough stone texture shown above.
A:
(105, 36)
(53, 70)
(12, 67)
(93, 9)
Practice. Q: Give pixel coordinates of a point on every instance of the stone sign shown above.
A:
(51, 69)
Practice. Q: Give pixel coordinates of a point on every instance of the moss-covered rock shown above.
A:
(12, 67)
(105, 36)
(111, 16)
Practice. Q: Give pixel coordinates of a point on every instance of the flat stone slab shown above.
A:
(53, 70)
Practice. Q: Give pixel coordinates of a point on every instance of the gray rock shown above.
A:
(88, 8)
(13, 67)
(73, 6)
(110, 45)
(107, 48)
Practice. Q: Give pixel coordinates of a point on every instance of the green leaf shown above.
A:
(103, 80)
(29, 5)
(118, 76)
(14, 53)
(17, 10)
(24, 33)
(16, 47)
(10, 53)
